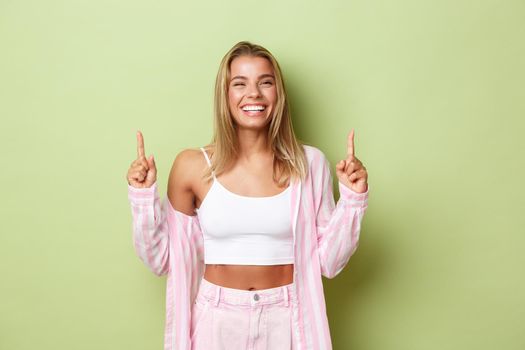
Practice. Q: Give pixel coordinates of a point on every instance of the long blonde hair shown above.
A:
(289, 158)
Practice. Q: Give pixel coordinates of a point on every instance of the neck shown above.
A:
(253, 143)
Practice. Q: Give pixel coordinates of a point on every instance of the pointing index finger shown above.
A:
(140, 145)
(350, 145)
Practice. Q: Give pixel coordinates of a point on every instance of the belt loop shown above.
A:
(217, 295)
(285, 291)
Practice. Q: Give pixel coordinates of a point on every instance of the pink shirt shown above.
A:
(325, 237)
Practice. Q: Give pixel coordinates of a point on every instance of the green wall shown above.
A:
(434, 90)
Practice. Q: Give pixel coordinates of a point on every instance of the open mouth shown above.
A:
(253, 108)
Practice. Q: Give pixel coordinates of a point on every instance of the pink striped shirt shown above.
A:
(326, 235)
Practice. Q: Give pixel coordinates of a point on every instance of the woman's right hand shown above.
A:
(142, 173)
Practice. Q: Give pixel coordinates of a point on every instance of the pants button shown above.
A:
(256, 297)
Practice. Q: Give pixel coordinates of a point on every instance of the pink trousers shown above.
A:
(235, 319)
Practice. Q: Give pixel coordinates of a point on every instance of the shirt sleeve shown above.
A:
(338, 225)
(150, 227)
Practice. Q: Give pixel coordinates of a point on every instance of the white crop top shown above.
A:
(242, 230)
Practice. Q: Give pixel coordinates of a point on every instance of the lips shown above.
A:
(253, 107)
(254, 110)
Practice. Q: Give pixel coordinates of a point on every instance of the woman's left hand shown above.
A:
(350, 171)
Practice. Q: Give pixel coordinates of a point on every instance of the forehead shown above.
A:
(249, 66)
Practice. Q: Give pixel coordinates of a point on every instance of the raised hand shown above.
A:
(142, 173)
(350, 171)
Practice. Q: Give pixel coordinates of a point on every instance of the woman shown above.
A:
(249, 224)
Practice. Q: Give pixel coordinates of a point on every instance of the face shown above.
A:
(252, 93)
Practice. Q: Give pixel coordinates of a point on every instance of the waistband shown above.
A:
(215, 293)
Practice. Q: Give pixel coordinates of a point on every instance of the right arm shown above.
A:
(150, 224)
(149, 213)
(150, 227)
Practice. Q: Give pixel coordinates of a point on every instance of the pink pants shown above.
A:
(235, 319)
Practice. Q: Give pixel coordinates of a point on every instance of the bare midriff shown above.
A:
(249, 277)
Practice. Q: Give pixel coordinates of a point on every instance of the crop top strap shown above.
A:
(207, 160)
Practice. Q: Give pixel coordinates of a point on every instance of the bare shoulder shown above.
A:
(188, 157)
(184, 172)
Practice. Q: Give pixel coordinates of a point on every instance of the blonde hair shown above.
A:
(289, 158)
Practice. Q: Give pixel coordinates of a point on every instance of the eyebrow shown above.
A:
(260, 77)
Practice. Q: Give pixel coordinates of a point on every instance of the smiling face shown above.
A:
(252, 94)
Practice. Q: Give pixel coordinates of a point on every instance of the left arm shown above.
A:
(339, 225)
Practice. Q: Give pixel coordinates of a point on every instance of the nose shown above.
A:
(253, 91)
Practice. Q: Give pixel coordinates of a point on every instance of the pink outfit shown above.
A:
(325, 237)
(235, 319)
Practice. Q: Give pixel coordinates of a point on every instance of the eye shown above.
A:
(238, 84)
(267, 82)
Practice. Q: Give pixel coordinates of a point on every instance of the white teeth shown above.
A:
(253, 108)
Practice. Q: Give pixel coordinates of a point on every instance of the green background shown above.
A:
(434, 90)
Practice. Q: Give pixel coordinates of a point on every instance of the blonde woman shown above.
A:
(249, 224)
